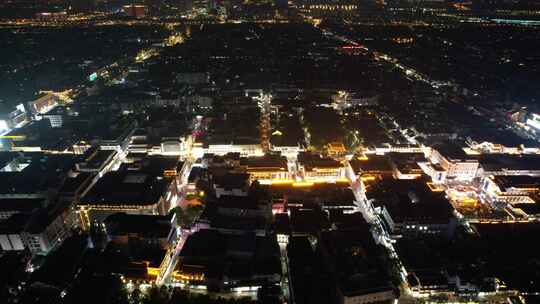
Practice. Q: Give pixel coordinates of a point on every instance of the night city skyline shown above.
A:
(269, 151)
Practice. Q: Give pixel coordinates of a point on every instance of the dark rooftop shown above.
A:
(374, 164)
(125, 187)
(517, 181)
(73, 184)
(21, 205)
(311, 161)
(319, 193)
(43, 171)
(142, 225)
(308, 220)
(407, 162)
(495, 162)
(61, 265)
(265, 162)
(411, 200)
(353, 254)
(451, 151)
(231, 180)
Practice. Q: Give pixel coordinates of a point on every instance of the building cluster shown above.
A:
(528, 121)
(230, 247)
(419, 197)
(39, 194)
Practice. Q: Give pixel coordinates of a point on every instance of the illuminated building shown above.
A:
(372, 165)
(56, 120)
(144, 187)
(266, 169)
(475, 148)
(50, 228)
(435, 171)
(41, 231)
(11, 233)
(532, 125)
(172, 147)
(509, 164)
(228, 160)
(457, 164)
(44, 103)
(139, 143)
(336, 149)
(57, 116)
(97, 161)
(199, 149)
(319, 9)
(520, 116)
(81, 147)
(534, 121)
(428, 282)
(327, 195)
(344, 100)
(283, 228)
(285, 144)
(314, 168)
(405, 165)
(48, 16)
(511, 189)
(386, 148)
(12, 118)
(410, 207)
(120, 140)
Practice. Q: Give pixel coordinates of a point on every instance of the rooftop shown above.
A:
(142, 225)
(318, 193)
(451, 151)
(118, 188)
(523, 162)
(312, 161)
(353, 255)
(21, 205)
(517, 181)
(411, 200)
(231, 180)
(407, 162)
(95, 158)
(36, 173)
(61, 265)
(72, 184)
(308, 220)
(263, 163)
(373, 164)
(238, 256)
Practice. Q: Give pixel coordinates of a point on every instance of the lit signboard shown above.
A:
(92, 77)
